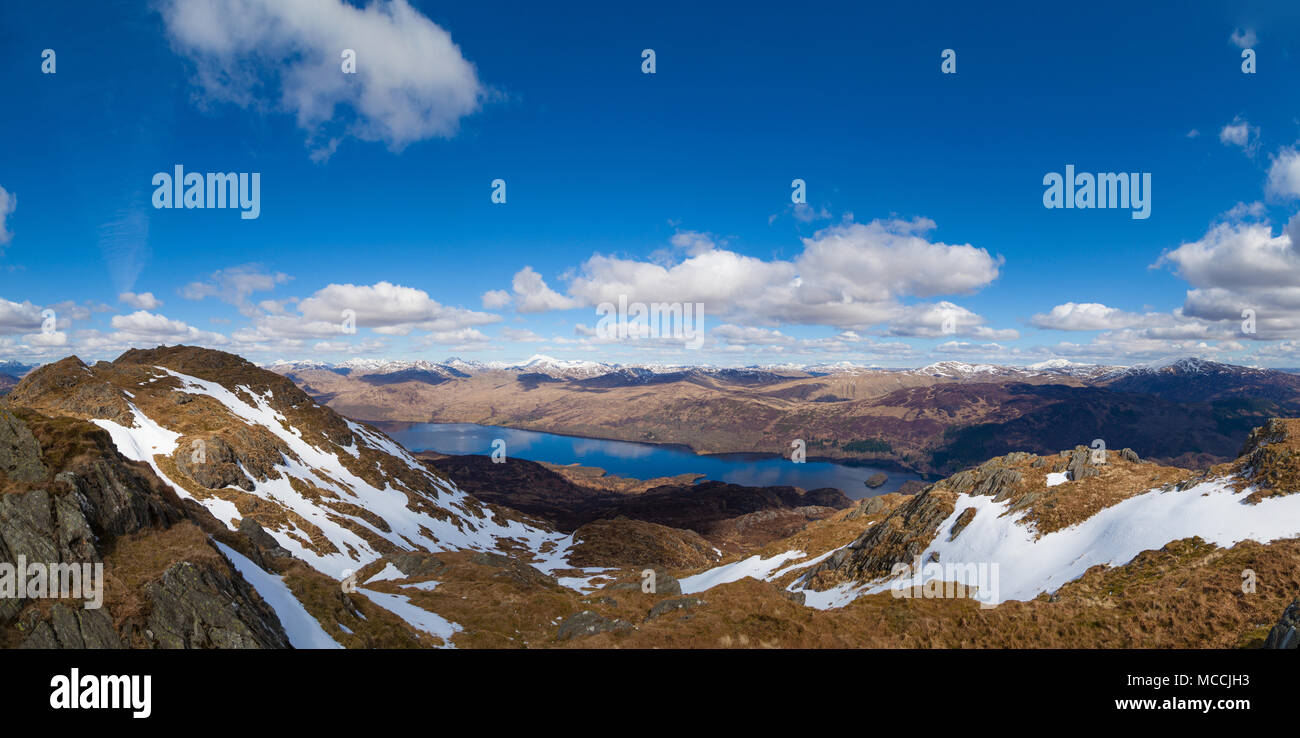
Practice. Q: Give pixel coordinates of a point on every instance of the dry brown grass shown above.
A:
(1187, 595)
(134, 561)
(1073, 502)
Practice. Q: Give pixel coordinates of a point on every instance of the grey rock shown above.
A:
(267, 546)
(218, 466)
(587, 623)
(20, 454)
(417, 564)
(664, 607)
(206, 607)
(1286, 634)
(514, 569)
(798, 597)
(665, 584)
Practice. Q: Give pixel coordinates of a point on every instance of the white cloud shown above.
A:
(1243, 39)
(235, 285)
(149, 328)
(7, 205)
(1239, 266)
(749, 335)
(141, 300)
(47, 340)
(694, 243)
(520, 335)
(1240, 133)
(383, 307)
(932, 320)
(18, 317)
(1085, 316)
(411, 82)
(1237, 255)
(848, 276)
(1284, 175)
(532, 295)
(496, 299)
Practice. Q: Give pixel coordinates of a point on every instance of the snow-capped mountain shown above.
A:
(963, 370)
(551, 366)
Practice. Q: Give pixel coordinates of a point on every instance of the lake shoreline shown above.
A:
(884, 464)
(661, 459)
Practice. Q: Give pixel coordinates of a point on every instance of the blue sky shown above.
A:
(924, 189)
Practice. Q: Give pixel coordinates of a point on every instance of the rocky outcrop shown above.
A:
(664, 583)
(1286, 634)
(195, 606)
(675, 604)
(20, 455)
(589, 622)
(513, 569)
(69, 388)
(902, 535)
(70, 627)
(73, 500)
(1270, 458)
(912, 525)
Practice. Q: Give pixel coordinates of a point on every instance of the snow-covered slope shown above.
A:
(990, 539)
(334, 493)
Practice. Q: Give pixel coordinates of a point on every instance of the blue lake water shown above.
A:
(640, 460)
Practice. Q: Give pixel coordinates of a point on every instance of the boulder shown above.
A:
(1286, 634)
(589, 622)
(674, 604)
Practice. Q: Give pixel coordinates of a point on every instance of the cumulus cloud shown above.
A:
(141, 300)
(7, 204)
(1085, 316)
(532, 295)
(1284, 175)
(750, 335)
(1240, 133)
(383, 307)
(144, 327)
(235, 285)
(694, 243)
(934, 320)
(411, 81)
(19, 317)
(849, 276)
(496, 299)
(1242, 266)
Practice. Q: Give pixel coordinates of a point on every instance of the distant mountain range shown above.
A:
(579, 368)
(932, 420)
